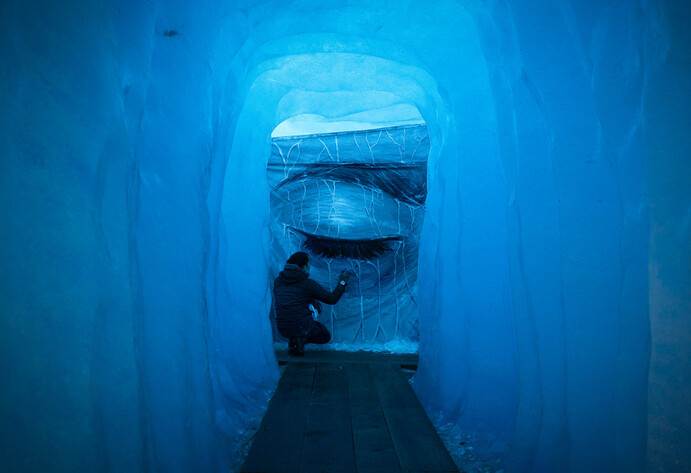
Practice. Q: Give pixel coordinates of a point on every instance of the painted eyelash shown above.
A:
(347, 249)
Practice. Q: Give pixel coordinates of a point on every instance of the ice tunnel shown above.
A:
(148, 207)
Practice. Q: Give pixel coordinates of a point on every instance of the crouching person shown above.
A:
(294, 292)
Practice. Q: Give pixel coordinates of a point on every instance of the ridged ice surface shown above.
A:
(146, 210)
(355, 202)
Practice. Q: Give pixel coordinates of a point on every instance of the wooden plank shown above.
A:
(374, 450)
(417, 443)
(278, 443)
(328, 442)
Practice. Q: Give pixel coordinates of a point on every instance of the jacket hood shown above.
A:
(292, 273)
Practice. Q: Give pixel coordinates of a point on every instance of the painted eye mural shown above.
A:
(355, 201)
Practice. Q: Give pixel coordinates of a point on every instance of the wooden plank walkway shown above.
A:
(346, 417)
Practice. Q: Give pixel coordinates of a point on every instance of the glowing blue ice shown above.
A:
(137, 258)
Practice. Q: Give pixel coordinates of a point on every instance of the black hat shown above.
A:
(300, 258)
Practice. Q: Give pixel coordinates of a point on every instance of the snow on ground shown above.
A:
(460, 446)
(392, 347)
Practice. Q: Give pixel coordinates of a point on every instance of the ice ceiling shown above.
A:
(138, 249)
(307, 124)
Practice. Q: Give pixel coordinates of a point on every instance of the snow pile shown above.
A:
(398, 347)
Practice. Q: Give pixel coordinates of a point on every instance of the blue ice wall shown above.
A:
(135, 263)
(668, 168)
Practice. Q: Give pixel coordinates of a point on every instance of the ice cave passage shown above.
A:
(550, 247)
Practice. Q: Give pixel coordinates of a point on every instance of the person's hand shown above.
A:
(344, 276)
(317, 305)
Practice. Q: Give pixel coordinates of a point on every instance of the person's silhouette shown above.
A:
(294, 292)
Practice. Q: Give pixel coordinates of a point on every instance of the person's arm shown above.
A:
(319, 293)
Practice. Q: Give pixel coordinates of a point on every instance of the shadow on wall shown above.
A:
(355, 201)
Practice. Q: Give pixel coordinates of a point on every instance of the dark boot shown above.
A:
(301, 346)
(295, 348)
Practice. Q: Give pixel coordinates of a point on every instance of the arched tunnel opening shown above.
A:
(341, 84)
(149, 187)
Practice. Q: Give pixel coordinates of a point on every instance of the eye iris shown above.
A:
(350, 249)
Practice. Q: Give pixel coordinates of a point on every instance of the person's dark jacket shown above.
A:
(293, 293)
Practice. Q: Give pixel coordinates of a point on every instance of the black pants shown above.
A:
(318, 334)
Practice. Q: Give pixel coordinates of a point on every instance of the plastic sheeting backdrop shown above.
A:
(355, 201)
